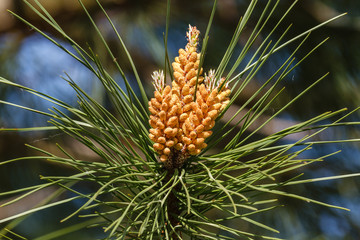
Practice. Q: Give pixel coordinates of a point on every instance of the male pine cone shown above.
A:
(180, 125)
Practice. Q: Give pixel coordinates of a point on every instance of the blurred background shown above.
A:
(28, 58)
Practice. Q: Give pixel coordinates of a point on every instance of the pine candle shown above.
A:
(180, 123)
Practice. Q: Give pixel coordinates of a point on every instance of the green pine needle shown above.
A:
(136, 197)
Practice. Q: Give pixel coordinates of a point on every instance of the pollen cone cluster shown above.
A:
(180, 122)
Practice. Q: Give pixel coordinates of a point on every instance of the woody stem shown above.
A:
(172, 201)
